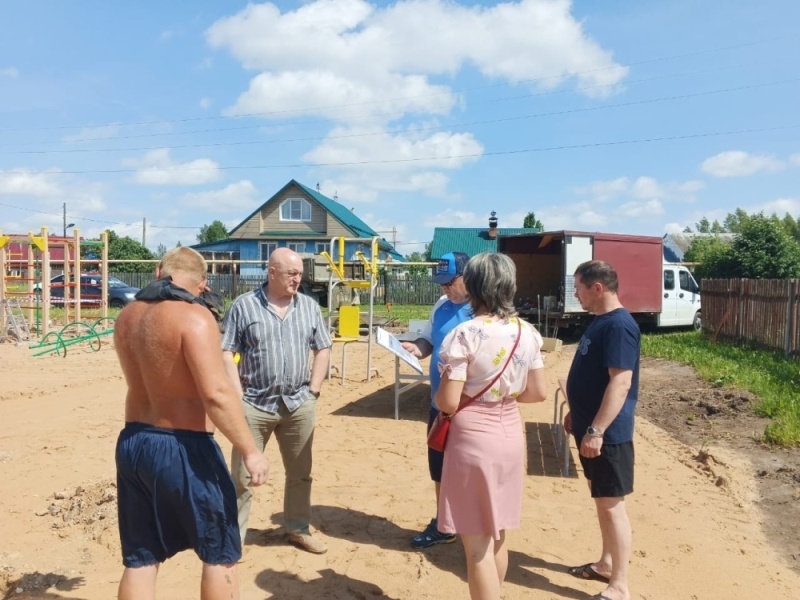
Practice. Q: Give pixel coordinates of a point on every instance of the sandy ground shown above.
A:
(693, 538)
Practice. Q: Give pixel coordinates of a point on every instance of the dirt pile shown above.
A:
(90, 508)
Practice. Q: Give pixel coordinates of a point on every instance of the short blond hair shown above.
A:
(185, 260)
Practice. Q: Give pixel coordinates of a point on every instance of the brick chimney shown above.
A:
(493, 226)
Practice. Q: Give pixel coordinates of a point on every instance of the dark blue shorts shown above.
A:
(610, 474)
(435, 459)
(174, 492)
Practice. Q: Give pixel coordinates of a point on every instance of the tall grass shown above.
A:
(767, 374)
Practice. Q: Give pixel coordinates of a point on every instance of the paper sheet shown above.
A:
(393, 345)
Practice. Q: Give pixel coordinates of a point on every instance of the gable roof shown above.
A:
(346, 217)
(470, 240)
(676, 244)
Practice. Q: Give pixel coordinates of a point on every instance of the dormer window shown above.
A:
(295, 209)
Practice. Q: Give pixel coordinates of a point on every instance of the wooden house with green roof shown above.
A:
(472, 240)
(299, 218)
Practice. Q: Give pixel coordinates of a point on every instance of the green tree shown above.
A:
(792, 226)
(764, 250)
(736, 220)
(126, 248)
(161, 251)
(427, 254)
(713, 258)
(212, 233)
(531, 222)
(417, 269)
(703, 226)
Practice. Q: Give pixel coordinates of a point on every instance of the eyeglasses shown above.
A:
(451, 282)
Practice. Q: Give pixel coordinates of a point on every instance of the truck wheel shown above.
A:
(697, 322)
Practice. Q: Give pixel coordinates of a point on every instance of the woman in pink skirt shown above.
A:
(481, 490)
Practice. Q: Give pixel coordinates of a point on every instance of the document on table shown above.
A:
(393, 345)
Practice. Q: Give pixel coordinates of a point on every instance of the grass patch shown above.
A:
(767, 374)
(399, 314)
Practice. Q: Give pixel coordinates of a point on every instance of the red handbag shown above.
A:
(437, 436)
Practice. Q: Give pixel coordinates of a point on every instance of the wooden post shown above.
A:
(740, 311)
(76, 249)
(44, 282)
(788, 337)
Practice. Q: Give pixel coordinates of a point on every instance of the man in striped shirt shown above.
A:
(276, 329)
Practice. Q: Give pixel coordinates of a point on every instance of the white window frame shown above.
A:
(270, 250)
(288, 208)
(321, 247)
(299, 247)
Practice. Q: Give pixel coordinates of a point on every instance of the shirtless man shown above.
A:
(174, 489)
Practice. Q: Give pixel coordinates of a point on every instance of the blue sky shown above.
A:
(414, 114)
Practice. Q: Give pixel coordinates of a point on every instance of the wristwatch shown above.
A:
(315, 394)
(593, 431)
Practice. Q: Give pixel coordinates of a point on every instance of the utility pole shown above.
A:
(144, 230)
(64, 216)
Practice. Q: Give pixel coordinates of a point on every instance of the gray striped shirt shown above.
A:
(275, 352)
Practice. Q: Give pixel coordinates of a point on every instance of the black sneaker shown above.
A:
(430, 537)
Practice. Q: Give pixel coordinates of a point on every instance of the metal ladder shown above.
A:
(15, 321)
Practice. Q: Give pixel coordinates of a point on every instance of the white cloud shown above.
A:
(418, 36)
(157, 168)
(205, 103)
(794, 159)
(780, 206)
(579, 216)
(735, 163)
(642, 188)
(673, 228)
(10, 72)
(605, 190)
(406, 42)
(646, 208)
(452, 217)
(167, 35)
(22, 182)
(86, 134)
(241, 196)
(344, 98)
(392, 162)
(645, 188)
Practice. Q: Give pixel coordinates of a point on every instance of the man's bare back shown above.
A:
(167, 349)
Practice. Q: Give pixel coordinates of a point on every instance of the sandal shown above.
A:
(587, 573)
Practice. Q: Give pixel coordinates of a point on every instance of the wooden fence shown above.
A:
(762, 311)
(409, 289)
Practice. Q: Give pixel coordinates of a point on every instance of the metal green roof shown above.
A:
(339, 212)
(469, 240)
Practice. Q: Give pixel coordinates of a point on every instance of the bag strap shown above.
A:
(471, 399)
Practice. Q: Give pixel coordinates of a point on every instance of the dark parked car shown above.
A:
(119, 292)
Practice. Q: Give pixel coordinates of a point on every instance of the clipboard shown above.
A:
(393, 345)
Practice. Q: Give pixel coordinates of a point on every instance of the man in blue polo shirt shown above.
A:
(451, 309)
(602, 390)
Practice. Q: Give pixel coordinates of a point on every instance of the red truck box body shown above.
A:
(546, 263)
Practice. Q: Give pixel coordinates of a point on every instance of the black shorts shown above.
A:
(435, 459)
(611, 473)
(174, 493)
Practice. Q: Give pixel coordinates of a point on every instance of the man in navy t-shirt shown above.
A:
(602, 389)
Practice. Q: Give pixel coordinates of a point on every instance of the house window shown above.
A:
(298, 247)
(323, 247)
(295, 209)
(268, 248)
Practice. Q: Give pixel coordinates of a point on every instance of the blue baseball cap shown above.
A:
(450, 266)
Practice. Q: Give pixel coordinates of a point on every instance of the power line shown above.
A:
(410, 130)
(385, 115)
(420, 159)
(79, 218)
(372, 102)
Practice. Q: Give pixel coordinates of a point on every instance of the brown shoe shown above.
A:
(307, 542)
